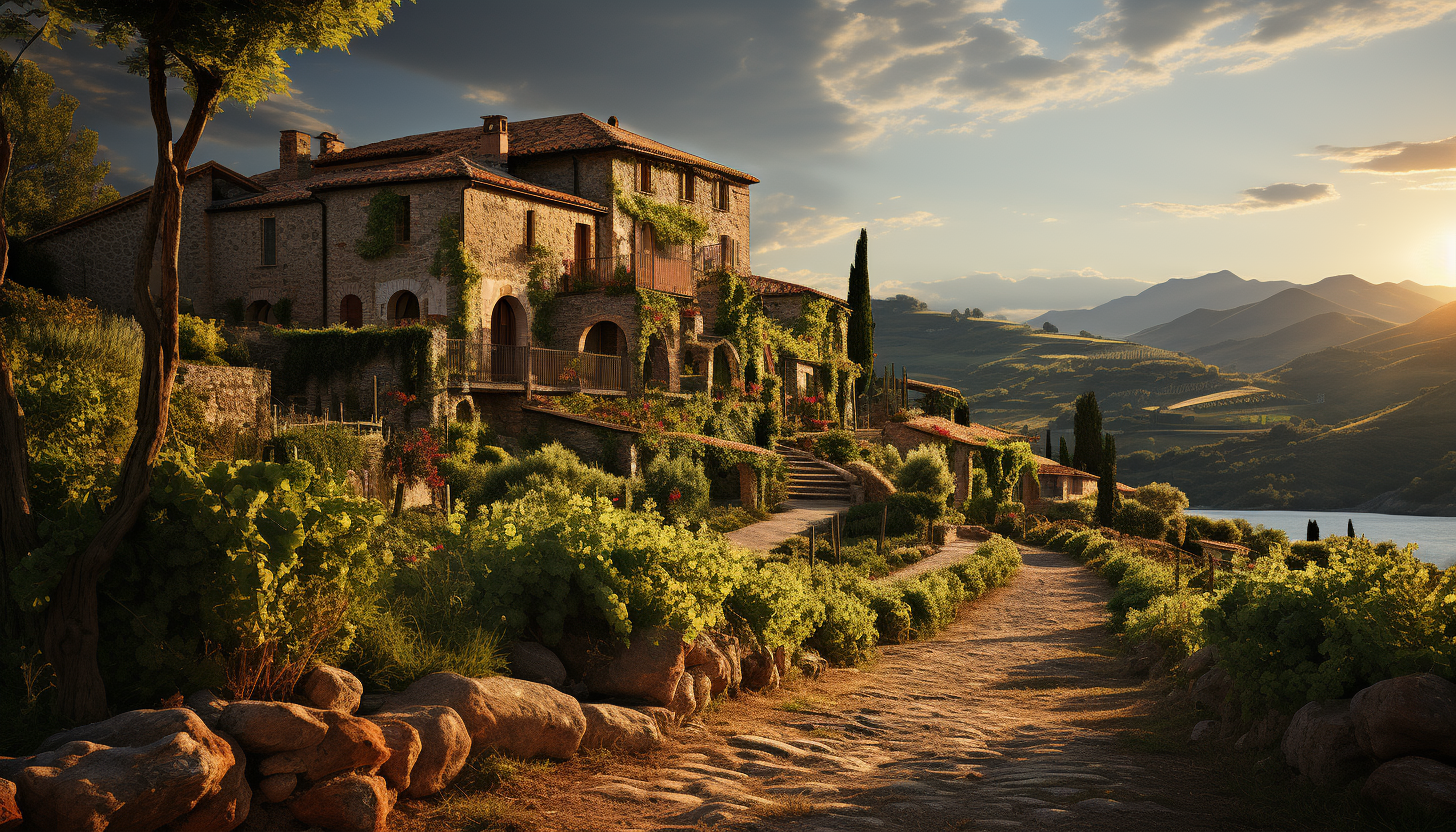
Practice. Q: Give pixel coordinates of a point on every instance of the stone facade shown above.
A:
(239, 396)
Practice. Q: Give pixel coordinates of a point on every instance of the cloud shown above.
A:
(1277, 197)
(1444, 183)
(893, 64)
(815, 229)
(1399, 158)
(485, 96)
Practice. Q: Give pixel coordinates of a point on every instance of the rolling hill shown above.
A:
(1164, 302)
(1206, 327)
(1255, 355)
(1386, 301)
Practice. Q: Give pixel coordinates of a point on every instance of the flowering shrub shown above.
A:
(679, 485)
(410, 456)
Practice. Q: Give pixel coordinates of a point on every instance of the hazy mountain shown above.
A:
(994, 294)
(1255, 355)
(1434, 326)
(1164, 302)
(1444, 294)
(1206, 327)
(1387, 301)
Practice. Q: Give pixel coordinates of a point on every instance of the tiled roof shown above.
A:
(1051, 468)
(419, 170)
(575, 132)
(972, 434)
(770, 286)
(143, 195)
(926, 387)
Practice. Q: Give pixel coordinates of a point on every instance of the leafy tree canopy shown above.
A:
(54, 175)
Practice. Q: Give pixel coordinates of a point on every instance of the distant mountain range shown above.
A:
(1172, 299)
(1265, 352)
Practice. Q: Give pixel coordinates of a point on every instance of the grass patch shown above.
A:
(790, 806)
(724, 519)
(803, 704)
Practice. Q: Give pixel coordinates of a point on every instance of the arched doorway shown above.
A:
(351, 311)
(605, 338)
(465, 411)
(725, 369)
(259, 312)
(506, 361)
(404, 307)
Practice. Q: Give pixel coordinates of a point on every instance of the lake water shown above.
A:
(1436, 536)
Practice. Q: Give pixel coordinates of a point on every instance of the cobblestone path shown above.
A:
(1007, 720)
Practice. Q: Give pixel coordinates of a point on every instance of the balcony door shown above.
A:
(646, 255)
(505, 363)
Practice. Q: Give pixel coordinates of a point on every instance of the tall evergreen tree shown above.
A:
(1349, 528)
(861, 318)
(1064, 456)
(1087, 433)
(1311, 532)
(1108, 500)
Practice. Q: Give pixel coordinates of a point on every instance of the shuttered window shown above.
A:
(530, 229)
(402, 222)
(644, 177)
(270, 241)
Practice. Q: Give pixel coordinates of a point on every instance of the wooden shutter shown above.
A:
(645, 171)
(530, 229)
(402, 222)
(270, 241)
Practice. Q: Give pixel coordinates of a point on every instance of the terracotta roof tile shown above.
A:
(770, 286)
(532, 137)
(1053, 468)
(972, 434)
(419, 170)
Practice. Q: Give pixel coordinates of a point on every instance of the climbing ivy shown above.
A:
(657, 314)
(454, 263)
(343, 351)
(741, 321)
(541, 292)
(673, 224)
(378, 240)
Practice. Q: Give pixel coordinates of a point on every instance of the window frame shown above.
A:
(722, 198)
(267, 258)
(644, 176)
(687, 185)
(530, 228)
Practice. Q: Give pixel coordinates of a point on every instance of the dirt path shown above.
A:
(953, 551)
(1009, 719)
(798, 515)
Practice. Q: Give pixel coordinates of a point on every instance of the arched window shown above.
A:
(465, 411)
(605, 338)
(503, 324)
(351, 311)
(259, 312)
(404, 307)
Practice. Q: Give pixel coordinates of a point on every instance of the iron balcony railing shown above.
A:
(471, 361)
(670, 272)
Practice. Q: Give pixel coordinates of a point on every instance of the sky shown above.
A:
(1015, 155)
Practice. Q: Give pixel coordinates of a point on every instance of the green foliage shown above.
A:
(1108, 498)
(671, 224)
(541, 292)
(245, 558)
(200, 340)
(283, 311)
(1005, 463)
(552, 464)
(53, 174)
(848, 634)
(861, 345)
(454, 262)
(885, 457)
(386, 208)
(837, 446)
(779, 602)
(332, 450)
(1164, 498)
(1140, 520)
(1325, 632)
(555, 555)
(679, 486)
(908, 512)
(1087, 434)
(657, 314)
(927, 472)
(340, 351)
(1171, 621)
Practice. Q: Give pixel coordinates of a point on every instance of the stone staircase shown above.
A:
(810, 479)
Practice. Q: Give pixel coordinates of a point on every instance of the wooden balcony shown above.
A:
(664, 272)
(473, 364)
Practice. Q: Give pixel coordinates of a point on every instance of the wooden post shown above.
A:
(398, 498)
(884, 516)
(813, 530)
(1210, 572)
(447, 499)
(1178, 572)
(834, 534)
(376, 398)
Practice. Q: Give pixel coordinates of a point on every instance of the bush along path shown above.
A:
(1008, 719)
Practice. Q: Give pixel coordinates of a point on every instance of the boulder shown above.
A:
(702, 690)
(729, 647)
(452, 690)
(1212, 689)
(705, 657)
(272, 727)
(532, 720)
(403, 742)
(619, 729)
(207, 705)
(1320, 743)
(331, 689)
(811, 664)
(134, 729)
(664, 718)
(684, 699)
(351, 742)
(1413, 783)
(63, 757)
(444, 746)
(1199, 663)
(647, 668)
(270, 817)
(226, 807)
(347, 803)
(759, 672)
(1409, 716)
(122, 788)
(535, 662)
(276, 788)
(1204, 731)
(1266, 733)
(10, 816)
(1143, 657)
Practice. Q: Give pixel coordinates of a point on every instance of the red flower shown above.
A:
(410, 558)
(439, 547)
(675, 495)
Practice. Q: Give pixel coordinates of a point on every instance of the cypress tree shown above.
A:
(1087, 433)
(1349, 528)
(1108, 500)
(1064, 456)
(1311, 531)
(861, 319)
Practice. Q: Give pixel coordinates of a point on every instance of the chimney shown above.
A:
(329, 143)
(495, 144)
(612, 121)
(293, 158)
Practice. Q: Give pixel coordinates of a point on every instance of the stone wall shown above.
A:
(613, 447)
(237, 260)
(232, 395)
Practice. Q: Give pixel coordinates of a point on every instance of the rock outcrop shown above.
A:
(1408, 716)
(1320, 743)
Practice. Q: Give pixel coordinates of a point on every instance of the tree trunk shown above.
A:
(17, 525)
(72, 631)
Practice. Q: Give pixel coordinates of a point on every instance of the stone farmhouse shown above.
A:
(545, 209)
